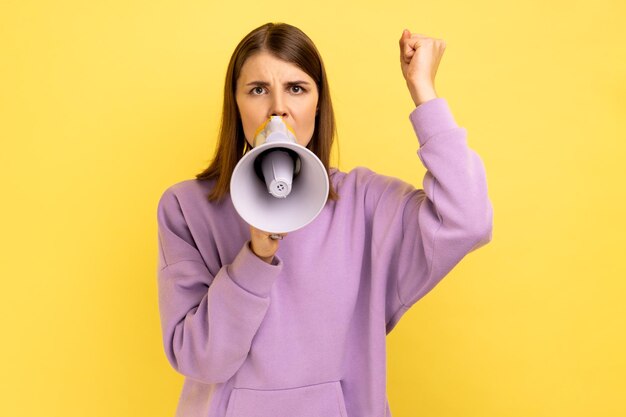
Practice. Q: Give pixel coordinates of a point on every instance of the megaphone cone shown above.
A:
(279, 186)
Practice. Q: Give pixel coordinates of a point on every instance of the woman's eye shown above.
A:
(297, 89)
(257, 90)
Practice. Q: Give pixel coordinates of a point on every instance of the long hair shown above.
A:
(289, 44)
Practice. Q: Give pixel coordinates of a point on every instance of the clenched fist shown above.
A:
(263, 245)
(419, 60)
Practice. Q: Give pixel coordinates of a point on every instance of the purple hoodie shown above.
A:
(305, 335)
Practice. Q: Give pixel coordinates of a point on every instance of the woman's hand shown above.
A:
(263, 245)
(419, 59)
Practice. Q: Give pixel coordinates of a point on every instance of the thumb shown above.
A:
(406, 51)
(406, 35)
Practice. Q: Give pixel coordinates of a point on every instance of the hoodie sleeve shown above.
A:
(207, 322)
(419, 235)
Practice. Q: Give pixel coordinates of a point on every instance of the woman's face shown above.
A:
(268, 86)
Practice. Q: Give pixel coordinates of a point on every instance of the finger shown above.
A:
(416, 40)
(411, 43)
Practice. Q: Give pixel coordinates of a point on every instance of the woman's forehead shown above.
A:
(268, 66)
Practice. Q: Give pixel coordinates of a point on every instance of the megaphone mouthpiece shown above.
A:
(274, 129)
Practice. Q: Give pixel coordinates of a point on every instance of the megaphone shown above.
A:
(279, 186)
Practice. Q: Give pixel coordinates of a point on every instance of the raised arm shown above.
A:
(421, 234)
(452, 214)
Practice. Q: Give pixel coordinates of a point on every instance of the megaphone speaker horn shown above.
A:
(279, 186)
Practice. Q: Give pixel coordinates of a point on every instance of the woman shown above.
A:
(296, 327)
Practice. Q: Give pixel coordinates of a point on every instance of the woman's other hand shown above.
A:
(263, 245)
(419, 59)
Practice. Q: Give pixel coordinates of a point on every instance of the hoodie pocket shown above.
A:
(320, 400)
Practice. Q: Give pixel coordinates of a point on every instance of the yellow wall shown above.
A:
(105, 104)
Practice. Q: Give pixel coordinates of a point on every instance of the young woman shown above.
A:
(296, 326)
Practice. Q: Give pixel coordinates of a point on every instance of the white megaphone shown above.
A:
(279, 186)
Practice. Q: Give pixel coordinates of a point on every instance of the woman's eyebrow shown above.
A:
(261, 83)
(265, 83)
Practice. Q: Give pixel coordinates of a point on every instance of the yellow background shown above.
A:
(105, 104)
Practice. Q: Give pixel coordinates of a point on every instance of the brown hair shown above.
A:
(289, 44)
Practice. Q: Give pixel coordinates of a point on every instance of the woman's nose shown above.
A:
(278, 106)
